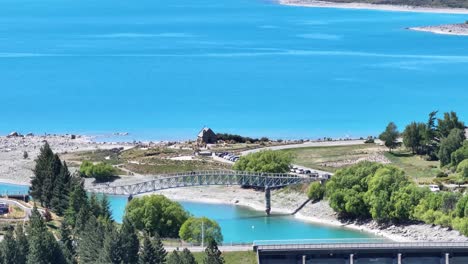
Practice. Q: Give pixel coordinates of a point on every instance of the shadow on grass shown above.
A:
(400, 154)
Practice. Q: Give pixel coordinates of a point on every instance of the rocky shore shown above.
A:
(452, 29)
(18, 152)
(286, 201)
(384, 7)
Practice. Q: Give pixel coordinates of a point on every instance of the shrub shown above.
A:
(316, 191)
(265, 161)
(101, 171)
(462, 169)
(157, 215)
(191, 230)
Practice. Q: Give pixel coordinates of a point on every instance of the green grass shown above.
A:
(316, 157)
(241, 257)
(414, 166)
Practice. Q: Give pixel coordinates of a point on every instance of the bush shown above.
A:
(316, 191)
(157, 215)
(191, 230)
(459, 155)
(441, 174)
(265, 161)
(101, 171)
(462, 169)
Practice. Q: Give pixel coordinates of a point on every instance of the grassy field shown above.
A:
(243, 257)
(334, 158)
(414, 166)
(329, 158)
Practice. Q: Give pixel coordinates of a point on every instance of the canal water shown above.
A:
(240, 224)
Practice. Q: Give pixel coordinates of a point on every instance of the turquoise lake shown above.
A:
(162, 69)
(240, 224)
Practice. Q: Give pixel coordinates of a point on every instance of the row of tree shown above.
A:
(239, 139)
(385, 194)
(437, 138)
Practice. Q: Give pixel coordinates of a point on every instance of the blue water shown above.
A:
(239, 224)
(162, 69)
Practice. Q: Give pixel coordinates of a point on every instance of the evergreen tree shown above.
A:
(9, 248)
(450, 121)
(106, 211)
(59, 201)
(413, 137)
(94, 205)
(160, 251)
(390, 136)
(90, 242)
(449, 145)
(22, 244)
(66, 239)
(430, 141)
(112, 250)
(49, 181)
(186, 257)
(148, 252)
(213, 254)
(174, 258)
(43, 248)
(129, 242)
(78, 199)
(41, 171)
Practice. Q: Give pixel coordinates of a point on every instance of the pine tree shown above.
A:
(9, 248)
(94, 205)
(160, 251)
(129, 242)
(106, 211)
(148, 253)
(186, 257)
(43, 248)
(112, 250)
(77, 200)
(22, 244)
(90, 242)
(61, 191)
(41, 171)
(213, 254)
(65, 239)
(174, 258)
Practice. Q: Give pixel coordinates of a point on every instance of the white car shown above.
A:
(434, 188)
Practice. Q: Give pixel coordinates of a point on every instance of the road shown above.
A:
(221, 248)
(26, 209)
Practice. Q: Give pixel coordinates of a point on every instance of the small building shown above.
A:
(206, 136)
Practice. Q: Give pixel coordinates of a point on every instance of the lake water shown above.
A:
(161, 69)
(240, 224)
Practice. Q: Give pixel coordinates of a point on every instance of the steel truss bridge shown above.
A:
(202, 178)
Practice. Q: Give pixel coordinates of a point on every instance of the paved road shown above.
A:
(26, 209)
(222, 248)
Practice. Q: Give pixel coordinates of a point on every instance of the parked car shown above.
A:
(434, 188)
(325, 176)
(3, 208)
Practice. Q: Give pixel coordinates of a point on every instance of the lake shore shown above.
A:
(285, 202)
(16, 169)
(382, 7)
(451, 29)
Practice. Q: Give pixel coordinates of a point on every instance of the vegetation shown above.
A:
(244, 257)
(390, 136)
(100, 172)
(416, 167)
(385, 194)
(265, 161)
(184, 257)
(191, 230)
(462, 169)
(239, 139)
(51, 182)
(212, 254)
(316, 191)
(156, 214)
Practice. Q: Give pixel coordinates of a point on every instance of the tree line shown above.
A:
(239, 139)
(436, 139)
(384, 193)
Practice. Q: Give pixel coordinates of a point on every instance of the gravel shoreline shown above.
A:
(382, 7)
(451, 29)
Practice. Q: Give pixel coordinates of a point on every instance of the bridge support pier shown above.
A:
(351, 259)
(447, 258)
(130, 197)
(267, 200)
(304, 259)
(399, 258)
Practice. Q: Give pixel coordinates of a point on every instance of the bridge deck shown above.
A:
(203, 178)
